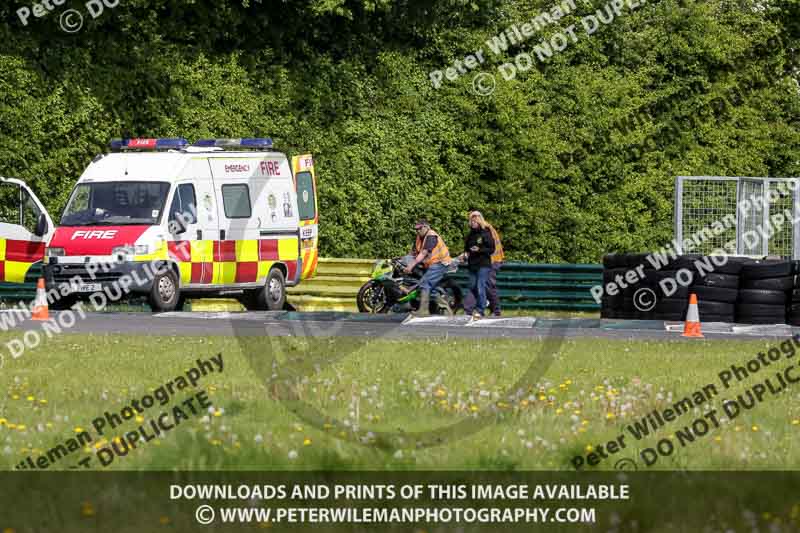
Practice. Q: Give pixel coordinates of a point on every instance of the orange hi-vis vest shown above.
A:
(498, 256)
(439, 254)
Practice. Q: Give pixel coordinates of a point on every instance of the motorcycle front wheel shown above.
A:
(372, 298)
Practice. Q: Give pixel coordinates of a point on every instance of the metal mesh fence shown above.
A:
(780, 243)
(751, 217)
(704, 203)
(740, 211)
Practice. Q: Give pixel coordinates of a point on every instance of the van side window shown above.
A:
(236, 201)
(306, 207)
(184, 204)
(9, 203)
(17, 207)
(30, 212)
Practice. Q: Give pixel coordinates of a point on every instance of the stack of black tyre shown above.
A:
(621, 304)
(765, 289)
(793, 297)
(717, 287)
(654, 303)
(673, 297)
(613, 305)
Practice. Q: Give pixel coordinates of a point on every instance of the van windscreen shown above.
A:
(115, 203)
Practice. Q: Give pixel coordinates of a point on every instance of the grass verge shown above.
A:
(589, 395)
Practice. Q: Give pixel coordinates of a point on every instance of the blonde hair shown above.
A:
(479, 217)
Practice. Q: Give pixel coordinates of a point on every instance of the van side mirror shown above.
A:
(178, 224)
(41, 226)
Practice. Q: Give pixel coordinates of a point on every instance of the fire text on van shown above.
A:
(270, 168)
(94, 234)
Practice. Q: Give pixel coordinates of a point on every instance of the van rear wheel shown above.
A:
(270, 297)
(164, 294)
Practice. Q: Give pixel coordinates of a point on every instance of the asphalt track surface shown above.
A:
(320, 324)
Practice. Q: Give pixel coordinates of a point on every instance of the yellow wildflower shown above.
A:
(87, 509)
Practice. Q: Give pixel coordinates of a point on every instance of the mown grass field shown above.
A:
(589, 393)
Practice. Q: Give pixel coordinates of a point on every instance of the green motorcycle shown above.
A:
(392, 290)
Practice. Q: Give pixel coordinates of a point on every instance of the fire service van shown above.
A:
(172, 220)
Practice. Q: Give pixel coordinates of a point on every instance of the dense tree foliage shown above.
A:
(570, 159)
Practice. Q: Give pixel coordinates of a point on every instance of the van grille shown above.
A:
(68, 272)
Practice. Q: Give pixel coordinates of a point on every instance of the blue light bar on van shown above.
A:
(248, 143)
(148, 144)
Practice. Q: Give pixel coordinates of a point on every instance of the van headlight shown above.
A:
(54, 252)
(139, 249)
(122, 250)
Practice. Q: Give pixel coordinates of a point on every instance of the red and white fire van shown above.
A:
(173, 220)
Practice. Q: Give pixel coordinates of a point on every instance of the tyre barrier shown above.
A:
(718, 291)
(736, 290)
(763, 294)
(793, 298)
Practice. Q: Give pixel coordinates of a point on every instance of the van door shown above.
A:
(306, 187)
(182, 222)
(25, 229)
(193, 250)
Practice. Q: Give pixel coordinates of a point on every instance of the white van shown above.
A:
(173, 220)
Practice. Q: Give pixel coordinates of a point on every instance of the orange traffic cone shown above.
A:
(40, 311)
(691, 327)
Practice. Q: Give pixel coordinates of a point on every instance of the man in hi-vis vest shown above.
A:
(430, 250)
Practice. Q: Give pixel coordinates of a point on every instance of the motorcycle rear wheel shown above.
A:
(454, 298)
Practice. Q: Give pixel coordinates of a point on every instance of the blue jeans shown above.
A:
(432, 276)
(477, 286)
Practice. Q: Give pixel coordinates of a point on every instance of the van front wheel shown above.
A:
(164, 294)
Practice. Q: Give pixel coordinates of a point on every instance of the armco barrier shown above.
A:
(521, 285)
(545, 286)
(336, 283)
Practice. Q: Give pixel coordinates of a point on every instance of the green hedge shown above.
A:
(569, 160)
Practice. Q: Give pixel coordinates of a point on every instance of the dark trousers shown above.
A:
(491, 290)
(491, 293)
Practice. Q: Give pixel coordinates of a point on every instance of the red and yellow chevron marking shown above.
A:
(227, 262)
(16, 257)
(309, 248)
(309, 252)
(310, 257)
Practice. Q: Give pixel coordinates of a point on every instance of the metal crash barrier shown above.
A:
(521, 286)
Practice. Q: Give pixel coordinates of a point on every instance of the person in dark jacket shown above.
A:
(492, 295)
(478, 250)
